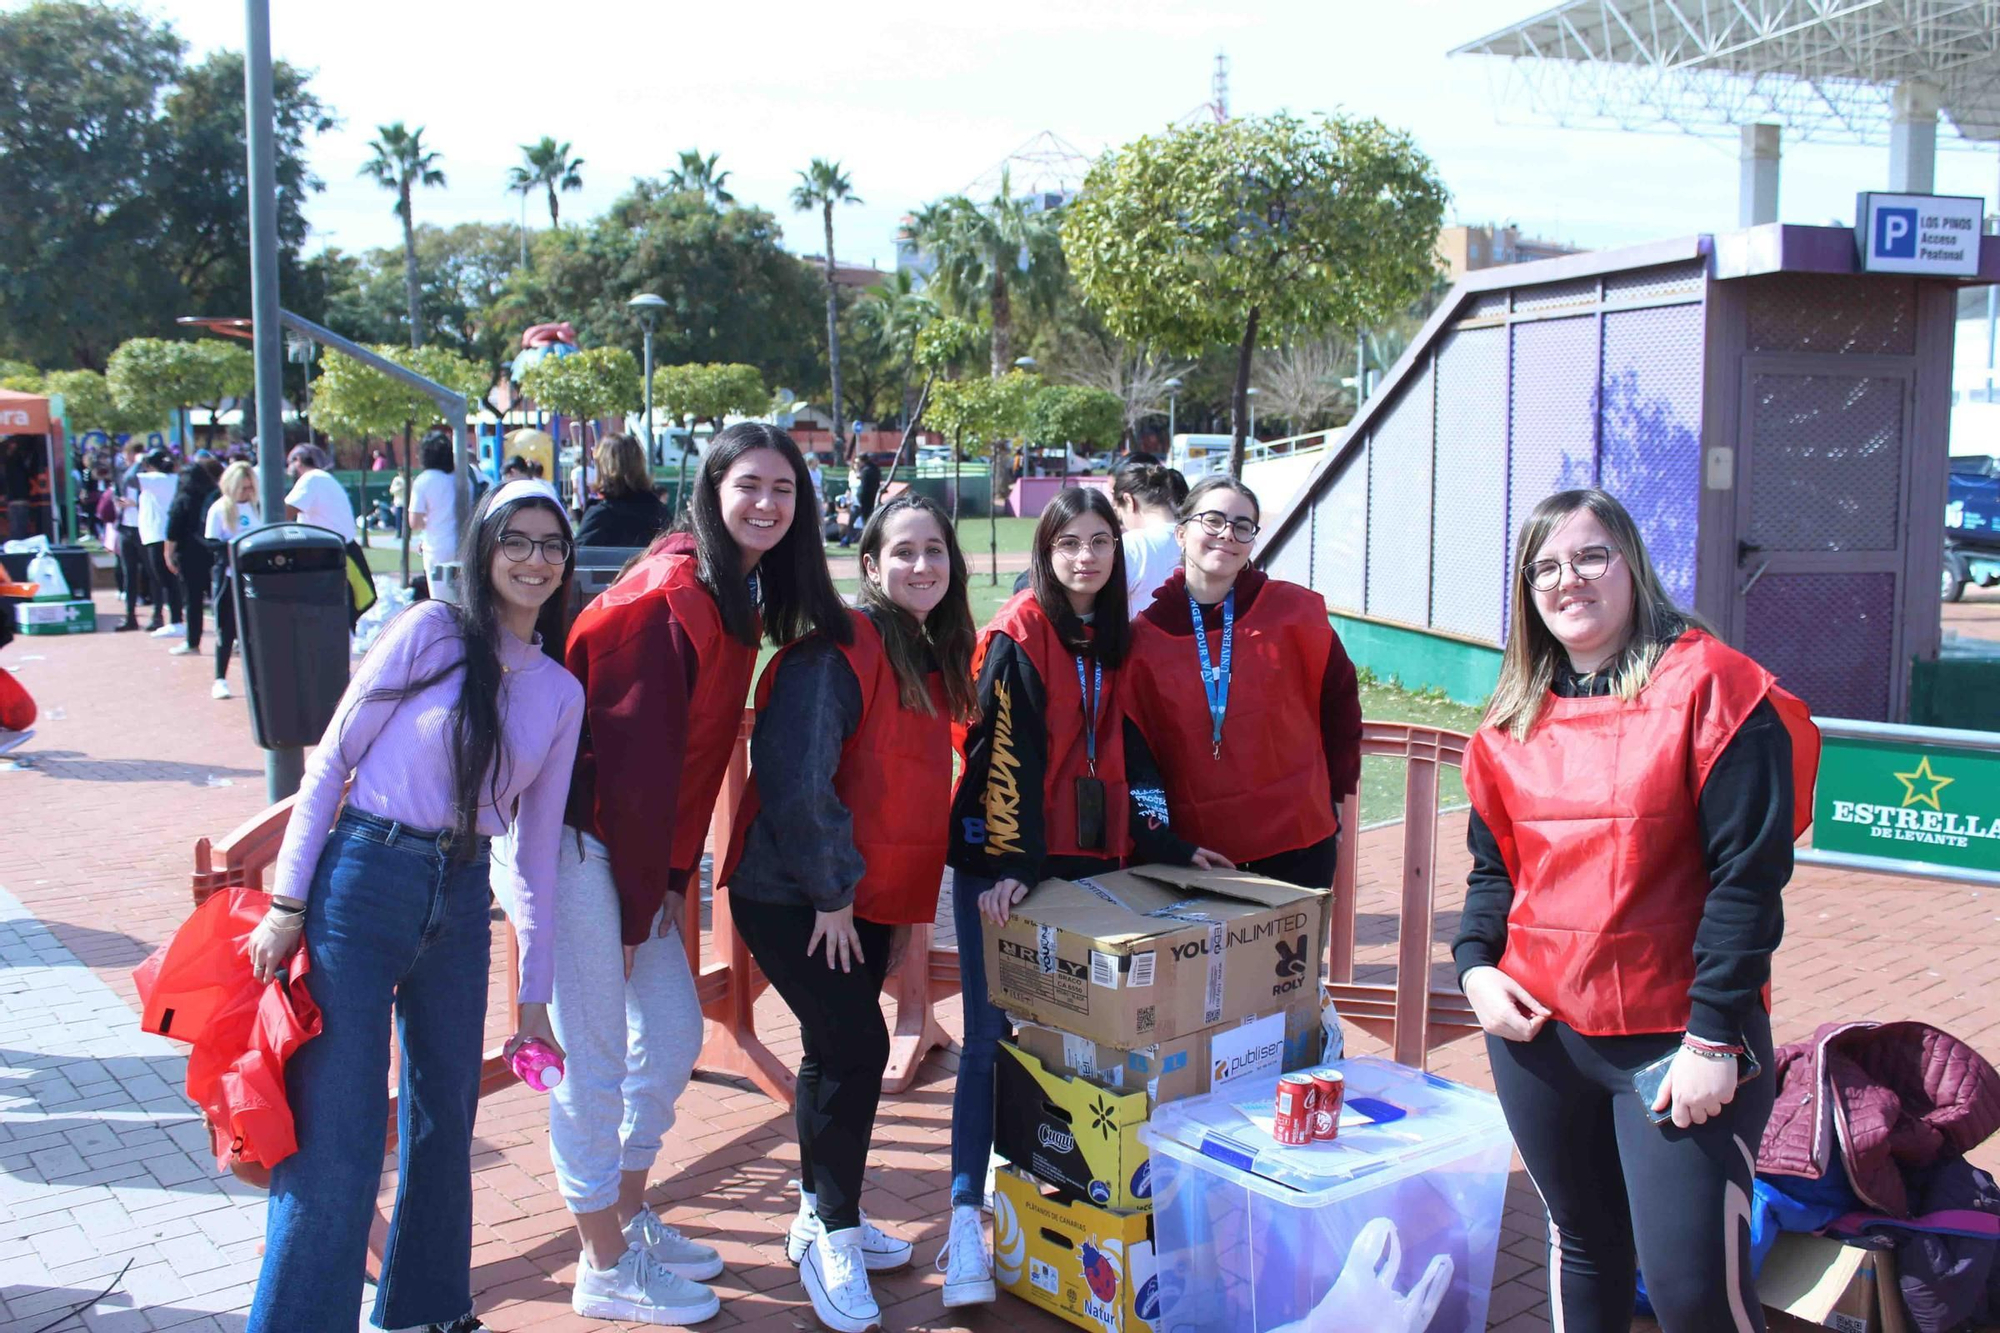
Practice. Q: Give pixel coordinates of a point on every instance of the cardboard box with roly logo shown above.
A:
(1070, 1132)
(1091, 1266)
(1273, 1043)
(1147, 955)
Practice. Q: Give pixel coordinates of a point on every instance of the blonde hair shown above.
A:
(235, 472)
(621, 467)
(1528, 668)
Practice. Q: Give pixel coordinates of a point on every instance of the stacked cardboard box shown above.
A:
(56, 617)
(1132, 990)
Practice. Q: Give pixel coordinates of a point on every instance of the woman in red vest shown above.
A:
(1057, 785)
(1263, 701)
(842, 852)
(1636, 788)
(665, 657)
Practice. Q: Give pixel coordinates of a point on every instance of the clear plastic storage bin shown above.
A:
(1391, 1228)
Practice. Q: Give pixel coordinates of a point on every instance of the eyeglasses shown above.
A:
(1214, 522)
(518, 547)
(1072, 547)
(1592, 562)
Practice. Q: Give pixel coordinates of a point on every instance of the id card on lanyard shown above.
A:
(1090, 788)
(1215, 677)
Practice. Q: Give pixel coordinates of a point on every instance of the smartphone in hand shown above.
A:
(1648, 1078)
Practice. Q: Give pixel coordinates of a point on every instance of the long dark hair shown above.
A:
(476, 753)
(1110, 625)
(1150, 484)
(796, 591)
(946, 635)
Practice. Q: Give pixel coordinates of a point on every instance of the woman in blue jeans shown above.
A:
(460, 725)
(1057, 785)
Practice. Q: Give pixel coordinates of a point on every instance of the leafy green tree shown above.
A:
(599, 382)
(1066, 414)
(821, 186)
(709, 392)
(1273, 226)
(698, 174)
(91, 405)
(402, 163)
(152, 378)
(20, 377)
(990, 254)
(883, 327)
(549, 168)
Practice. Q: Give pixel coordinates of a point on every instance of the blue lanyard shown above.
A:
(1215, 680)
(1090, 695)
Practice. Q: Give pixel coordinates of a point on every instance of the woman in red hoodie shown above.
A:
(665, 656)
(1255, 722)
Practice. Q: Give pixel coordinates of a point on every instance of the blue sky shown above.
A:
(921, 101)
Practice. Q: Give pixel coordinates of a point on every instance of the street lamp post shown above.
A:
(648, 307)
(1173, 386)
(1251, 394)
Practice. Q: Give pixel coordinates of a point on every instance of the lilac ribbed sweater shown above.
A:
(399, 755)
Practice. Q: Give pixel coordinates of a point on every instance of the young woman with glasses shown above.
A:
(1057, 785)
(665, 657)
(1242, 690)
(841, 852)
(1636, 788)
(459, 727)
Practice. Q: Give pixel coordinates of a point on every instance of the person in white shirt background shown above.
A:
(1146, 495)
(157, 483)
(317, 497)
(434, 505)
(233, 514)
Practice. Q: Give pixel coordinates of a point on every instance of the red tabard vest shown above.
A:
(1268, 793)
(1066, 707)
(895, 780)
(1597, 818)
(721, 684)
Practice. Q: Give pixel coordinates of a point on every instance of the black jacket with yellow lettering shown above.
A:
(1013, 794)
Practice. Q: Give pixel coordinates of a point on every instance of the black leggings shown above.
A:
(1624, 1194)
(225, 621)
(846, 1047)
(165, 582)
(197, 571)
(132, 564)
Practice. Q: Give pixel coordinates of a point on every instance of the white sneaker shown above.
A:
(640, 1290)
(967, 1268)
(881, 1251)
(12, 740)
(220, 690)
(183, 650)
(675, 1252)
(836, 1278)
(169, 631)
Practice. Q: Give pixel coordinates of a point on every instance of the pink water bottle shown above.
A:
(536, 1064)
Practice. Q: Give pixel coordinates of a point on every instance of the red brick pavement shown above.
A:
(1976, 617)
(129, 768)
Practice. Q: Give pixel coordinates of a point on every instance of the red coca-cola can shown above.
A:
(1330, 1094)
(1298, 1095)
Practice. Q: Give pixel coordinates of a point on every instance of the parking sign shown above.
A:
(1896, 233)
(1935, 235)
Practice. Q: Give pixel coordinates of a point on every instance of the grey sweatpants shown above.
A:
(629, 1043)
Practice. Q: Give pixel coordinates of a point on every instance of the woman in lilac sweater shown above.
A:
(459, 727)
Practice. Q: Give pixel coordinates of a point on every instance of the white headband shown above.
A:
(528, 488)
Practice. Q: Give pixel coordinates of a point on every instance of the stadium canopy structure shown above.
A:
(1837, 71)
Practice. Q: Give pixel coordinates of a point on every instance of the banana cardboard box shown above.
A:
(1091, 1266)
(1271, 1043)
(1155, 953)
(1071, 1132)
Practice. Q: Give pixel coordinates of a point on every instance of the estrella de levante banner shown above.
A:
(1909, 802)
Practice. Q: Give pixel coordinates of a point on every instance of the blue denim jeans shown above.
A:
(393, 922)
(985, 1028)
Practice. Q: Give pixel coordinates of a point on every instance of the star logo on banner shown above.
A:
(1922, 776)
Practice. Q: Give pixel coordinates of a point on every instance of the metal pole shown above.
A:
(1170, 421)
(652, 442)
(283, 768)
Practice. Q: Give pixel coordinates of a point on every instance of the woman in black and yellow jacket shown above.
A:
(1056, 785)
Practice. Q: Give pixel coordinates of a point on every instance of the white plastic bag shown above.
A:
(45, 572)
(1364, 1298)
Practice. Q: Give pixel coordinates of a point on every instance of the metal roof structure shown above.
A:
(1045, 164)
(1826, 69)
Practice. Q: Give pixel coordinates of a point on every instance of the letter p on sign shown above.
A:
(1896, 233)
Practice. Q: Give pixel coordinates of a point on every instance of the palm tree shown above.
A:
(698, 174)
(401, 163)
(821, 186)
(551, 168)
(989, 254)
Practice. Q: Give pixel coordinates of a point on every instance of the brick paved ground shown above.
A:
(1976, 617)
(133, 761)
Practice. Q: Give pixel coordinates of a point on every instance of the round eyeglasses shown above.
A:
(1072, 547)
(1214, 522)
(518, 547)
(1592, 562)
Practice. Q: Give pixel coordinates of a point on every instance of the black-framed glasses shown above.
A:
(1072, 547)
(1214, 522)
(1592, 562)
(517, 546)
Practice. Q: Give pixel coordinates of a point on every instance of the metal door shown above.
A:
(1823, 466)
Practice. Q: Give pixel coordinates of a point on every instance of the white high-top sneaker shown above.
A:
(881, 1251)
(836, 1279)
(967, 1267)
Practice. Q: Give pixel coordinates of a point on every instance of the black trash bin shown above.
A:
(74, 562)
(290, 584)
(597, 568)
